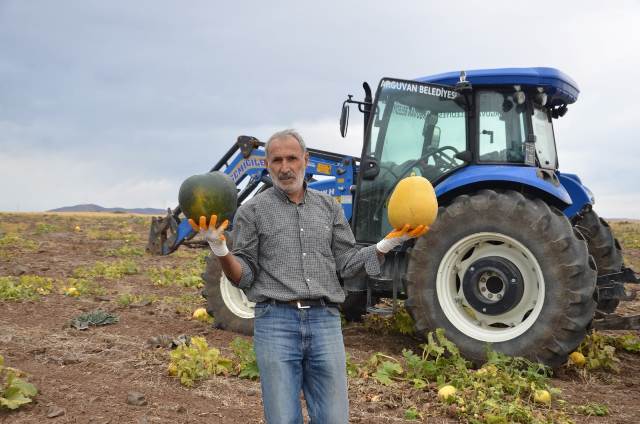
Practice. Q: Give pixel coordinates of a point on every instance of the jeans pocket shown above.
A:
(261, 309)
(333, 310)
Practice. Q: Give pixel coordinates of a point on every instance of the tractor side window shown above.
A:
(501, 126)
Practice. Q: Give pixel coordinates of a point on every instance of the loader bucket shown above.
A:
(162, 234)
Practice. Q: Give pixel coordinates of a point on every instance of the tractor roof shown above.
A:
(559, 86)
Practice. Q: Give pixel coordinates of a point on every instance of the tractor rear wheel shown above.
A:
(501, 269)
(604, 248)
(230, 308)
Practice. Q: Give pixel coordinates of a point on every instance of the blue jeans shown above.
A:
(301, 350)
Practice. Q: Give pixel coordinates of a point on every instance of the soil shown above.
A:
(86, 376)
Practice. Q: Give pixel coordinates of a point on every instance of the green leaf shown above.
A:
(247, 366)
(412, 414)
(14, 400)
(96, 317)
(386, 371)
(17, 392)
(250, 371)
(495, 419)
(198, 361)
(419, 383)
(352, 369)
(24, 387)
(402, 322)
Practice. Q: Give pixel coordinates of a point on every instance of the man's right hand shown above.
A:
(212, 235)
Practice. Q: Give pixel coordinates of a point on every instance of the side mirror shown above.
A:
(344, 119)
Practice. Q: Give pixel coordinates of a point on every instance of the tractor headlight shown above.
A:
(519, 95)
(541, 97)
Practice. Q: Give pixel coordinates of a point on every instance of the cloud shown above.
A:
(117, 102)
(40, 182)
(47, 180)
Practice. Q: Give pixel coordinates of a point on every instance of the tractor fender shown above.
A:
(580, 194)
(544, 183)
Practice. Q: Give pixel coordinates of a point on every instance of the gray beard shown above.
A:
(290, 189)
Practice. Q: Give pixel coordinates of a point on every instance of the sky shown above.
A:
(116, 103)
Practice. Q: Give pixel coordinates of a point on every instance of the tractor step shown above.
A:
(612, 286)
(386, 312)
(380, 283)
(612, 291)
(626, 275)
(617, 322)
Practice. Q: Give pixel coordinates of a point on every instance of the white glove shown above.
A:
(212, 235)
(398, 236)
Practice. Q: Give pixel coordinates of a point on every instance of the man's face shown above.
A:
(287, 163)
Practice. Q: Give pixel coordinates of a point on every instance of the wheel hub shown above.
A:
(493, 285)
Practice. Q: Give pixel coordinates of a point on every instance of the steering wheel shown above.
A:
(441, 159)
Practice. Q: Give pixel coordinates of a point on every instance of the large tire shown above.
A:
(526, 252)
(230, 308)
(604, 248)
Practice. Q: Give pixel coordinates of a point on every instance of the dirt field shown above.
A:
(86, 376)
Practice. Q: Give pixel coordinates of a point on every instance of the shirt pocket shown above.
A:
(321, 234)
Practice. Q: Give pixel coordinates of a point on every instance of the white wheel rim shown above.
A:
(468, 320)
(235, 299)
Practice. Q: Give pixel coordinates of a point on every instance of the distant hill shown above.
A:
(97, 208)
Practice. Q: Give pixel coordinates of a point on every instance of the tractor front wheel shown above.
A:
(230, 308)
(500, 269)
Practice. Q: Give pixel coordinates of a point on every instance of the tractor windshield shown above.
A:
(416, 129)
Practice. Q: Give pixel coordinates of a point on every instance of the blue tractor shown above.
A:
(517, 257)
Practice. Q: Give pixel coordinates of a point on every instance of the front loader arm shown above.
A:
(245, 164)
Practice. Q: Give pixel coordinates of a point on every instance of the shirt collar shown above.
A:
(283, 195)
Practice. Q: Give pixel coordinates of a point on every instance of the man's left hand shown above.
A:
(398, 236)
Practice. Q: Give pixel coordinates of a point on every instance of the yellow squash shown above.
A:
(542, 396)
(412, 202)
(577, 358)
(446, 392)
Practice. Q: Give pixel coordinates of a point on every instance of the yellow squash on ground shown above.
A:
(542, 396)
(577, 358)
(201, 314)
(446, 392)
(412, 202)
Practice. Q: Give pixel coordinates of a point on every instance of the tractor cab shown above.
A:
(436, 126)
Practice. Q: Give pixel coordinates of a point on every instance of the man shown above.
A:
(289, 241)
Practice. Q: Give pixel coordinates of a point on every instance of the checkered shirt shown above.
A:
(292, 251)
